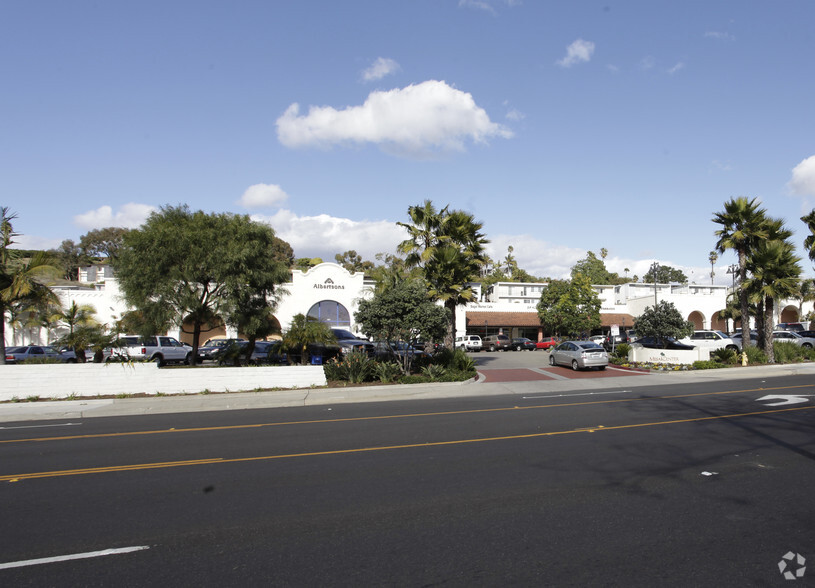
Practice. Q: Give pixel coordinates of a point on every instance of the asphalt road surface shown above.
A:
(702, 485)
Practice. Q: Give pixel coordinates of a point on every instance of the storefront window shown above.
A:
(332, 313)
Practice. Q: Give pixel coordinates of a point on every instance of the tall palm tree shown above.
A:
(809, 241)
(775, 273)
(449, 247)
(742, 227)
(20, 279)
(712, 259)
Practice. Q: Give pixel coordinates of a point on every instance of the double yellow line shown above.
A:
(218, 460)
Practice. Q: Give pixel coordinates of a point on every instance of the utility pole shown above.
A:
(654, 269)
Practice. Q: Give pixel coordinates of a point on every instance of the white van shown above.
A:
(469, 343)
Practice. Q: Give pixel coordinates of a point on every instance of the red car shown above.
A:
(547, 343)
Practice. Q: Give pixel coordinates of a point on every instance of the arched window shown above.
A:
(332, 313)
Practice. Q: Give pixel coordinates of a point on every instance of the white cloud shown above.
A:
(676, 68)
(129, 216)
(803, 178)
(719, 36)
(35, 242)
(647, 63)
(415, 120)
(324, 236)
(577, 52)
(379, 69)
(262, 196)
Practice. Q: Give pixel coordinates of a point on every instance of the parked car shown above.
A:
(737, 338)
(497, 343)
(35, 353)
(160, 349)
(469, 343)
(579, 355)
(265, 352)
(210, 349)
(523, 344)
(396, 350)
(797, 327)
(597, 339)
(349, 342)
(547, 343)
(612, 341)
(652, 342)
(793, 337)
(810, 334)
(711, 340)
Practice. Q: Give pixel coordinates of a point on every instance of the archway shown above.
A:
(209, 330)
(698, 320)
(789, 314)
(331, 313)
(717, 323)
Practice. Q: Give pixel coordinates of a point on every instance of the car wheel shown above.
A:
(733, 348)
(492, 347)
(158, 360)
(517, 348)
(575, 367)
(601, 368)
(807, 345)
(551, 360)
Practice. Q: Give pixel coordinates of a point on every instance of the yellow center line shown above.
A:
(219, 460)
(393, 416)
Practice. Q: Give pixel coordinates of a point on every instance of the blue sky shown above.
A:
(563, 126)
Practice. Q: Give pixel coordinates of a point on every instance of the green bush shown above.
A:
(433, 372)
(726, 356)
(622, 350)
(707, 365)
(754, 355)
(413, 379)
(356, 367)
(786, 352)
(455, 359)
(387, 371)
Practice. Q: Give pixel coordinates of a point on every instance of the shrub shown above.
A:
(786, 352)
(755, 355)
(434, 372)
(455, 359)
(622, 350)
(707, 365)
(726, 356)
(356, 367)
(387, 371)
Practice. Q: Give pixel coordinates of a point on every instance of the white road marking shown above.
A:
(41, 426)
(570, 395)
(785, 399)
(86, 555)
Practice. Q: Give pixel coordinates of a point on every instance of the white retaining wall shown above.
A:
(672, 356)
(92, 379)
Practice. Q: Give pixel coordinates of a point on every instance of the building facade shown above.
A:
(331, 294)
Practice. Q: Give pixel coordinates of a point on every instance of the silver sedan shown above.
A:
(579, 355)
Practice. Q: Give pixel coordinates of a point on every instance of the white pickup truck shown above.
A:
(160, 349)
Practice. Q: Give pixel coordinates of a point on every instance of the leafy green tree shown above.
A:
(352, 261)
(304, 331)
(595, 270)
(192, 266)
(306, 263)
(661, 321)
(665, 274)
(103, 243)
(21, 280)
(448, 246)
(569, 307)
(742, 226)
(402, 313)
(69, 258)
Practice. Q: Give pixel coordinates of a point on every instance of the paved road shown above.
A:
(531, 366)
(705, 484)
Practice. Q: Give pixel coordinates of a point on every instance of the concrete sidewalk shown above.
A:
(93, 407)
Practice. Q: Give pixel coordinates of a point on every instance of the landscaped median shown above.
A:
(59, 381)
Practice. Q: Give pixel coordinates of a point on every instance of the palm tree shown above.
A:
(809, 241)
(775, 274)
(742, 227)
(712, 259)
(449, 247)
(20, 280)
(304, 331)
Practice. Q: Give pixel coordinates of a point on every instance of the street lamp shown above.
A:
(733, 270)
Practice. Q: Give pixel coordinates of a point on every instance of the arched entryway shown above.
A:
(698, 320)
(717, 323)
(209, 330)
(789, 315)
(331, 313)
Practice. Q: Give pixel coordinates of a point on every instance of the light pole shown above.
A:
(654, 269)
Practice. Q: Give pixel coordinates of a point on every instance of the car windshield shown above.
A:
(589, 345)
(343, 334)
(15, 350)
(721, 334)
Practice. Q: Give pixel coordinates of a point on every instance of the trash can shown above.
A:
(316, 360)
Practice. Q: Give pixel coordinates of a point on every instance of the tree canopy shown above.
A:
(193, 266)
(404, 312)
(569, 307)
(664, 274)
(662, 320)
(595, 271)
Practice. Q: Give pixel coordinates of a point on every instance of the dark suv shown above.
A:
(497, 343)
(349, 342)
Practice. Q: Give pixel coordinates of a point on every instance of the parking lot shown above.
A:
(529, 366)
